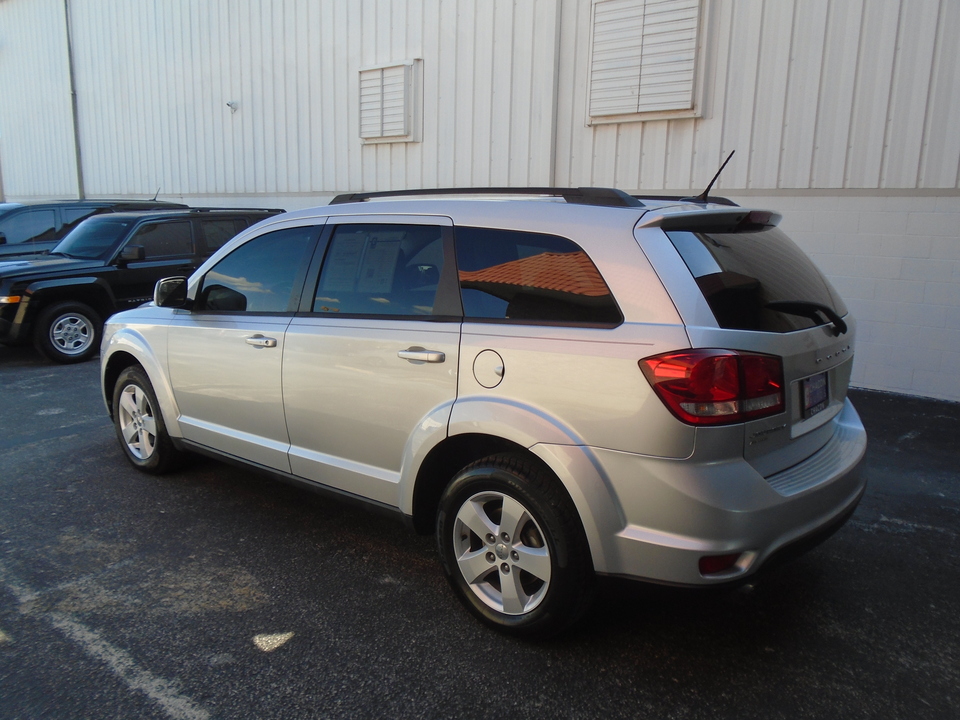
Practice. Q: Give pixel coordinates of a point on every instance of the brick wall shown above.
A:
(896, 261)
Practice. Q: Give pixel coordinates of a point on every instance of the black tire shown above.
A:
(534, 584)
(68, 332)
(139, 424)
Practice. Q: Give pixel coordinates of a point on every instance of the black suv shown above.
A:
(38, 227)
(108, 263)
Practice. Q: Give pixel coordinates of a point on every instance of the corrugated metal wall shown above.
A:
(154, 80)
(37, 151)
(810, 93)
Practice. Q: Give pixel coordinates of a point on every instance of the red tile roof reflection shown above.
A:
(560, 272)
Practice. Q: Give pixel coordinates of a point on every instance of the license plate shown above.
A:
(815, 394)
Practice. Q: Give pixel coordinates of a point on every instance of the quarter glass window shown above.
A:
(260, 275)
(530, 277)
(381, 270)
(164, 239)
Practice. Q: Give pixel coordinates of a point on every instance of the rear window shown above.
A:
(743, 274)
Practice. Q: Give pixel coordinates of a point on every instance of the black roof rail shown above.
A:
(610, 197)
(713, 198)
(223, 209)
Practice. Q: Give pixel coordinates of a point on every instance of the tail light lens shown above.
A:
(717, 387)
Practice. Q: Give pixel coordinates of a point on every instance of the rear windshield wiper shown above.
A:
(811, 310)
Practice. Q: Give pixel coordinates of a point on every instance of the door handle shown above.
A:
(419, 354)
(259, 340)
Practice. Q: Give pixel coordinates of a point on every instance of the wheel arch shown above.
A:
(93, 292)
(126, 348)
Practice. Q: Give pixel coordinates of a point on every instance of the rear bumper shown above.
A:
(673, 512)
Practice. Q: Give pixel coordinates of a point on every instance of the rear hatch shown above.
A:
(767, 297)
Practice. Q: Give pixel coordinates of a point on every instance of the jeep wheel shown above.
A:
(513, 548)
(139, 424)
(68, 332)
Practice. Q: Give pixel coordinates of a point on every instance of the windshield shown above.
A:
(758, 280)
(93, 238)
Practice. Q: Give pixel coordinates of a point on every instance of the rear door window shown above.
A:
(530, 278)
(744, 276)
(382, 269)
(169, 239)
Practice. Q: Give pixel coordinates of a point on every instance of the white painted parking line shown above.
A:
(162, 691)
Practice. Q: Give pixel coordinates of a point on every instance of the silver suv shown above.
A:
(560, 383)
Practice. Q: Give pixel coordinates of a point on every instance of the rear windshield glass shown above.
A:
(743, 274)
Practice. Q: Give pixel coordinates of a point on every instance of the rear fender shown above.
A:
(559, 447)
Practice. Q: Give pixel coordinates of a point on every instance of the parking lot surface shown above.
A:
(217, 593)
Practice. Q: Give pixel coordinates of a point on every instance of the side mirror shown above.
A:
(132, 253)
(170, 292)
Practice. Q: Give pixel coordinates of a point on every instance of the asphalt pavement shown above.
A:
(217, 593)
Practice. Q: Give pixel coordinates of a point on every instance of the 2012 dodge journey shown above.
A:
(558, 383)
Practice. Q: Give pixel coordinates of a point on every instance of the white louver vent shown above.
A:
(644, 56)
(387, 103)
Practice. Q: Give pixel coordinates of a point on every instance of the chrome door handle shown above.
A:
(259, 340)
(420, 354)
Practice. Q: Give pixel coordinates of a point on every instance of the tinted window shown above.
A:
(740, 274)
(73, 215)
(260, 275)
(216, 233)
(30, 226)
(530, 277)
(381, 270)
(167, 239)
(92, 238)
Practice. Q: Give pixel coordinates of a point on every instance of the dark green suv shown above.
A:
(106, 264)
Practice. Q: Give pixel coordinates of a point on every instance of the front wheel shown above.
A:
(513, 547)
(68, 332)
(139, 424)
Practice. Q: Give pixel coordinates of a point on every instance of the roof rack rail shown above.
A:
(610, 197)
(238, 209)
(713, 198)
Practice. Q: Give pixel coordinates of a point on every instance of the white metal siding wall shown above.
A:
(811, 94)
(154, 80)
(36, 124)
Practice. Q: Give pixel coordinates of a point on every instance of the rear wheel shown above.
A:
(513, 547)
(68, 332)
(139, 424)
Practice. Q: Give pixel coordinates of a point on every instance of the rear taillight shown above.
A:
(717, 387)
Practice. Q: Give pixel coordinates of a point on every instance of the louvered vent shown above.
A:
(385, 102)
(644, 56)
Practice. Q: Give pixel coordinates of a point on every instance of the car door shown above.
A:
(168, 249)
(224, 354)
(373, 355)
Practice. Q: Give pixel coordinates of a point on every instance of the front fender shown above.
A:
(151, 356)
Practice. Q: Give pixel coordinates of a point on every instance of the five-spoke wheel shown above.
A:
(139, 424)
(513, 547)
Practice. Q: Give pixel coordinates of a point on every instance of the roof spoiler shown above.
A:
(720, 220)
